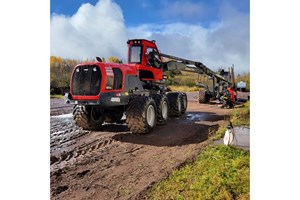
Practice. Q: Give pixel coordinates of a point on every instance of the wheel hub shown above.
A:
(151, 115)
(164, 110)
(179, 104)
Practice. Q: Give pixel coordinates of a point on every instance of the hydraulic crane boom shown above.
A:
(197, 68)
(218, 80)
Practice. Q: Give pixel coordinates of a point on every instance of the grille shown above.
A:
(86, 80)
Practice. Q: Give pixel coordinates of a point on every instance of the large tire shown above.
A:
(162, 105)
(175, 104)
(184, 102)
(141, 115)
(203, 96)
(88, 117)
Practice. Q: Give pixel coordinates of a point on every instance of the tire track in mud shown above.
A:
(66, 136)
(87, 149)
(69, 139)
(66, 140)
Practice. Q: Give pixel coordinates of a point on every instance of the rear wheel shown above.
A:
(183, 102)
(175, 103)
(162, 108)
(203, 96)
(88, 117)
(141, 114)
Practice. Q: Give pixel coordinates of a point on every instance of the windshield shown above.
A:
(135, 54)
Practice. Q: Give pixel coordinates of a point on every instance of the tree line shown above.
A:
(61, 70)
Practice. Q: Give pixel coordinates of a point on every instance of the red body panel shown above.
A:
(157, 73)
(126, 69)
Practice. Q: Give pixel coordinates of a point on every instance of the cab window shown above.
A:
(135, 54)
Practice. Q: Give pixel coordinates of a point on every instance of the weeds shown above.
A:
(220, 172)
(57, 96)
(184, 88)
(241, 116)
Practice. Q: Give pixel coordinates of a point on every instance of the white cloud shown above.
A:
(93, 31)
(100, 31)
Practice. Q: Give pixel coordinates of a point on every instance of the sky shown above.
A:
(214, 32)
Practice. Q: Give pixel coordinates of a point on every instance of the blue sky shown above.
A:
(215, 32)
(138, 12)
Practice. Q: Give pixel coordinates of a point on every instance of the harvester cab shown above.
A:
(143, 55)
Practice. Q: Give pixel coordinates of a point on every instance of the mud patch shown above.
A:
(83, 173)
(115, 164)
(53, 159)
(60, 189)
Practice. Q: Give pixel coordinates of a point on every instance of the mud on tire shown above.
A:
(162, 105)
(203, 96)
(175, 103)
(141, 114)
(184, 102)
(88, 117)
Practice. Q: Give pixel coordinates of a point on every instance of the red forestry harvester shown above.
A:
(103, 92)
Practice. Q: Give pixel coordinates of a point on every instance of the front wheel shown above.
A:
(88, 117)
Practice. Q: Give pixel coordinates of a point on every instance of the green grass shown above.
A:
(220, 132)
(241, 116)
(219, 172)
(184, 88)
(57, 96)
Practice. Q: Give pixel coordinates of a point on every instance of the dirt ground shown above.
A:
(116, 164)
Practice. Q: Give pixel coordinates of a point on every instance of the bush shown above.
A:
(60, 73)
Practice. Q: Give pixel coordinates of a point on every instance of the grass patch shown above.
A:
(219, 172)
(57, 96)
(184, 88)
(220, 132)
(241, 116)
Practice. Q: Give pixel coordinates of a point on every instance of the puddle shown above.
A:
(196, 116)
(62, 116)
